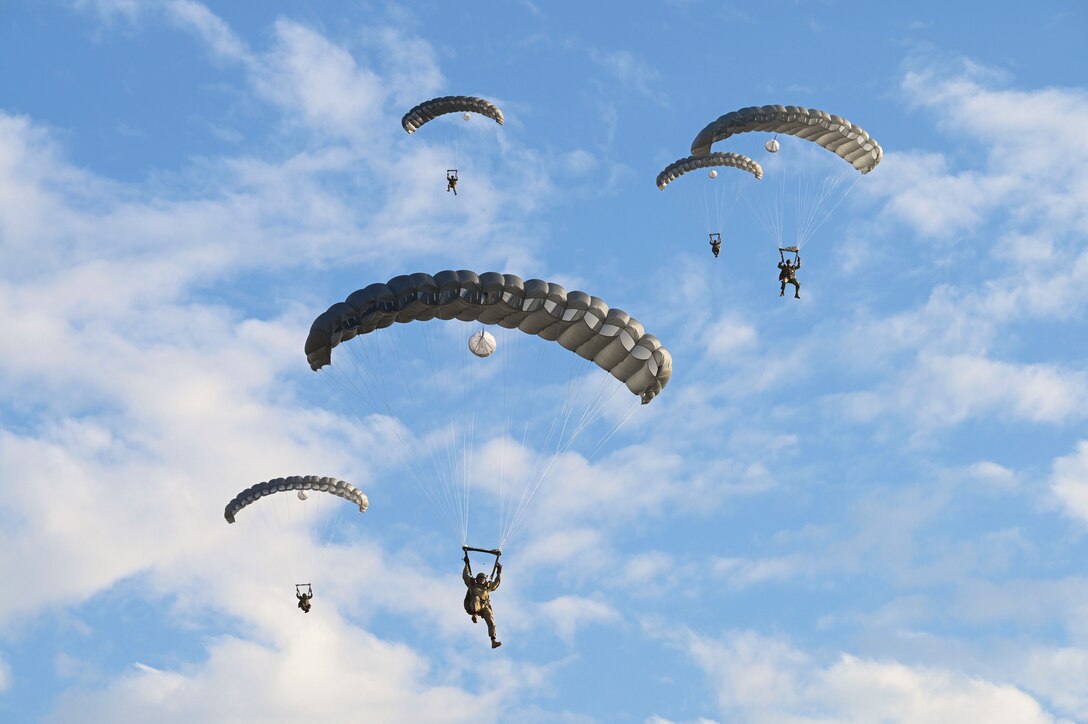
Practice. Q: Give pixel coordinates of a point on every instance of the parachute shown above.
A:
(300, 483)
(429, 110)
(676, 169)
(804, 186)
(488, 421)
(838, 135)
(612, 339)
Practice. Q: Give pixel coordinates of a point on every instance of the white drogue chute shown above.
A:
(482, 344)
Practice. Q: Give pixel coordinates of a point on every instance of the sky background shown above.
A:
(866, 505)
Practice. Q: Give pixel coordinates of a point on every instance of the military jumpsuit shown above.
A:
(478, 598)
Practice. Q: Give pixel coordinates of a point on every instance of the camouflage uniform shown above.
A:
(478, 600)
(788, 275)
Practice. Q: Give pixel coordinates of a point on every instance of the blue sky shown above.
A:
(866, 505)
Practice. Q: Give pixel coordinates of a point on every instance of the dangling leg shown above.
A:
(782, 291)
(487, 615)
(796, 289)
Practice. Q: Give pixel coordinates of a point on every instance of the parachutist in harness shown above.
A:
(716, 244)
(788, 273)
(478, 596)
(304, 598)
(451, 180)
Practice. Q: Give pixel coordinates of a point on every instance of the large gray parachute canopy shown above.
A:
(676, 169)
(834, 133)
(583, 324)
(250, 495)
(429, 110)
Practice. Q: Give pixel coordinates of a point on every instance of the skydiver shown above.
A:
(478, 597)
(716, 244)
(788, 275)
(304, 598)
(451, 181)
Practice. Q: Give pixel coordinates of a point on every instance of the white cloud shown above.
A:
(210, 28)
(1069, 482)
(741, 573)
(729, 335)
(5, 676)
(1060, 675)
(570, 613)
(945, 390)
(935, 201)
(631, 71)
(759, 679)
(317, 671)
(995, 476)
(320, 83)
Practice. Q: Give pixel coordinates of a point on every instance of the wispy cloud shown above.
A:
(631, 72)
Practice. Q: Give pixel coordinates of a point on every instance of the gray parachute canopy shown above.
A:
(583, 324)
(429, 110)
(250, 495)
(676, 169)
(834, 133)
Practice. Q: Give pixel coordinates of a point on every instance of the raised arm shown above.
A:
(466, 574)
(498, 578)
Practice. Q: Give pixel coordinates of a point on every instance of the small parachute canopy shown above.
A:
(429, 110)
(301, 483)
(610, 338)
(838, 135)
(482, 344)
(772, 145)
(676, 169)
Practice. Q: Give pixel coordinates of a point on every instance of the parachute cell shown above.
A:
(301, 483)
(579, 322)
(676, 169)
(836, 134)
(429, 110)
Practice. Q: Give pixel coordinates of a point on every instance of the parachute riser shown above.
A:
(493, 551)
